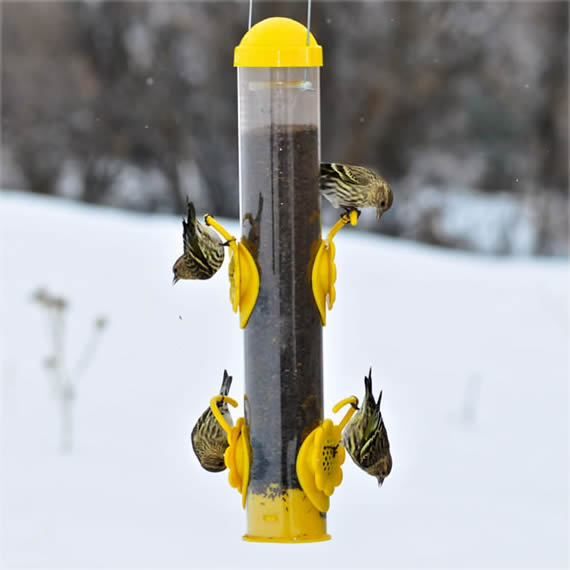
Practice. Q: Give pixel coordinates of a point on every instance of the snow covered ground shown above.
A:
(471, 352)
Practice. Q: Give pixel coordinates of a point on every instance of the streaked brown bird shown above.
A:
(353, 187)
(203, 250)
(365, 436)
(209, 440)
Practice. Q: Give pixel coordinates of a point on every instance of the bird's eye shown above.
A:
(382, 204)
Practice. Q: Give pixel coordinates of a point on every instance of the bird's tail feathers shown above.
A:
(378, 402)
(368, 382)
(226, 384)
(368, 395)
(190, 223)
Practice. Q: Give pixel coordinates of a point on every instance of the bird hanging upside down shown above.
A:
(354, 187)
(203, 250)
(365, 436)
(209, 440)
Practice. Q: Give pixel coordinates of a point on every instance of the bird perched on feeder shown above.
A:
(203, 250)
(365, 437)
(209, 440)
(353, 187)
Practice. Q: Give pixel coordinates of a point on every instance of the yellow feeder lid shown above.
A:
(278, 42)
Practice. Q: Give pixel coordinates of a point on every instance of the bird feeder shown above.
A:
(283, 457)
(279, 156)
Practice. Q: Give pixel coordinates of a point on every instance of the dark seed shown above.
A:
(283, 338)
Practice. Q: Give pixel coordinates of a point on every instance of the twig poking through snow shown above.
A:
(62, 383)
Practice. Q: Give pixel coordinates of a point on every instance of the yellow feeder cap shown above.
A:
(278, 42)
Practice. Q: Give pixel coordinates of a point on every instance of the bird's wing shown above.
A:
(339, 172)
(373, 448)
(361, 175)
(191, 239)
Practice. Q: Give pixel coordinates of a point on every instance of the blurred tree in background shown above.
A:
(462, 106)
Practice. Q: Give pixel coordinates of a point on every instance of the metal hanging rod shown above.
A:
(308, 21)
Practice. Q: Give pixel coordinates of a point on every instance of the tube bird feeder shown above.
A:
(283, 458)
(279, 155)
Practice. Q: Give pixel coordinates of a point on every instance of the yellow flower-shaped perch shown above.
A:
(237, 456)
(243, 274)
(324, 268)
(321, 457)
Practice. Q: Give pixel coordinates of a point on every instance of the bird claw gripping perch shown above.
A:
(243, 274)
(321, 456)
(324, 268)
(237, 456)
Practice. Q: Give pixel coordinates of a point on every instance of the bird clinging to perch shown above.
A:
(209, 440)
(353, 187)
(365, 436)
(203, 250)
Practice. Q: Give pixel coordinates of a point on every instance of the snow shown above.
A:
(471, 353)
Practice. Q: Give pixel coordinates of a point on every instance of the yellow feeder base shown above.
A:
(288, 516)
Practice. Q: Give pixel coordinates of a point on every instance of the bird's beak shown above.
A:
(378, 213)
(175, 279)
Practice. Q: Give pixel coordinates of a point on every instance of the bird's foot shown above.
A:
(348, 211)
(350, 215)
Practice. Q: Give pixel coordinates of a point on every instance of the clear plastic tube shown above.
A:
(279, 149)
